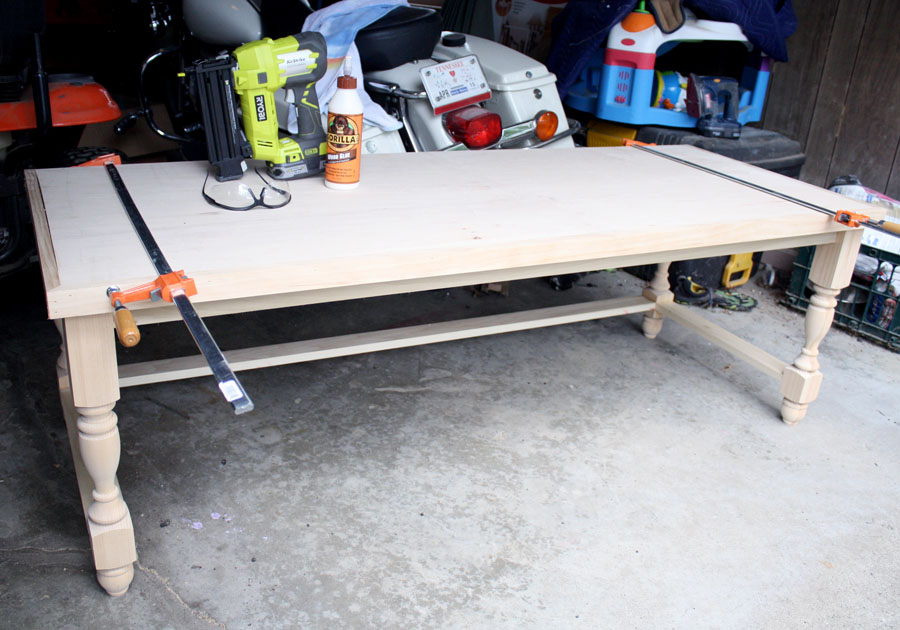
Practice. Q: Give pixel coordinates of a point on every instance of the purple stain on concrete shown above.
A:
(196, 525)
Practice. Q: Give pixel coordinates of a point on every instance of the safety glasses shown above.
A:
(240, 196)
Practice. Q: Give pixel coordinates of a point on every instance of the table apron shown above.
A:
(157, 314)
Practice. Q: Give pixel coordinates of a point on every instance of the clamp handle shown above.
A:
(160, 289)
(891, 227)
(126, 328)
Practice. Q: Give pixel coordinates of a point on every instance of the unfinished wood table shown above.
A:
(423, 221)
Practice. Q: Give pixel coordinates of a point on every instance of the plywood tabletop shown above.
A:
(413, 216)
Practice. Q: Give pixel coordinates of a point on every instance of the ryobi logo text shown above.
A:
(260, 102)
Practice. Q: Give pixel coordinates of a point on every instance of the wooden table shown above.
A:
(425, 221)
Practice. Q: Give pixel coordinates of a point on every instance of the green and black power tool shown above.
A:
(263, 67)
(256, 72)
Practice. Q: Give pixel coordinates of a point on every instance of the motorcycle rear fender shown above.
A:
(520, 88)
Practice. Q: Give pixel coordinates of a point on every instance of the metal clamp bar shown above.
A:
(229, 384)
(838, 216)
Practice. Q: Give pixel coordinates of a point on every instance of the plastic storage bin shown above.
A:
(868, 306)
(759, 147)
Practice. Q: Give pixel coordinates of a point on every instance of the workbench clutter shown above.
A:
(692, 64)
(257, 71)
(357, 76)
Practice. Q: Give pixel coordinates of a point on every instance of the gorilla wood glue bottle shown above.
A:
(344, 133)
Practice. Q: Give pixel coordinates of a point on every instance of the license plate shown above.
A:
(454, 84)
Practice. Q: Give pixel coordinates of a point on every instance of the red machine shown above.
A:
(41, 117)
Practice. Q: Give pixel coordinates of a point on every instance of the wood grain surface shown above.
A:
(413, 216)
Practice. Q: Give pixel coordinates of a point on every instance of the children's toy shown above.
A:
(621, 83)
(669, 90)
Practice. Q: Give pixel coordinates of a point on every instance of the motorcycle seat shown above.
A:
(404, 34)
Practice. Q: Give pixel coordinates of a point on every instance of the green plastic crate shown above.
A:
(862, 307)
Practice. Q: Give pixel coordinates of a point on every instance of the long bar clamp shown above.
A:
(171, 286)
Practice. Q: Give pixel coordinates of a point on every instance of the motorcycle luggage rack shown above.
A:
(396, 101)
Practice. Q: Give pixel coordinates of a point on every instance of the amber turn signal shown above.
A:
(545, 125)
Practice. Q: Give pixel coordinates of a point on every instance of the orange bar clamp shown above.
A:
(159, 289)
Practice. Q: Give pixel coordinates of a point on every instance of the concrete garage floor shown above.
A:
(573, 477)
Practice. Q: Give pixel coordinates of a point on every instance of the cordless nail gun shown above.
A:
(256, 71)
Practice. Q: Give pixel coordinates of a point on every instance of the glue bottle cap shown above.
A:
(347, 80)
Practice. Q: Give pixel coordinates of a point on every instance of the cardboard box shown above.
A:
(524, 25)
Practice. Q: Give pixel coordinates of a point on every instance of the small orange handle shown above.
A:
(126, 328)
(891, 227)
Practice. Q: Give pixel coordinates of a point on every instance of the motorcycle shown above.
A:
(406, 59)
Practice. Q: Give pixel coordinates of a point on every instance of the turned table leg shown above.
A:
(89, 389)
(657, 291)
(831, 271)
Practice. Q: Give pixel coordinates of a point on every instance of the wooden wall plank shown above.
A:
(870, 127)
(828, 114)
(794, 85)
(893, 186)
(838, 95)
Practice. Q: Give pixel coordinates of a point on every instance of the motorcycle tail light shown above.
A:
(545, 125)
(474, 126)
